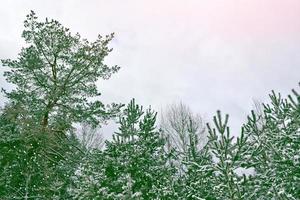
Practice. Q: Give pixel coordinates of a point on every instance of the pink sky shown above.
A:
(224, 18)
(232, 18)
(256, 17)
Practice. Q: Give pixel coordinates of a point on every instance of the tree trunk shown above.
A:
(45, 120)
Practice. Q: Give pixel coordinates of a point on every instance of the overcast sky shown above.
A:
(210, 54)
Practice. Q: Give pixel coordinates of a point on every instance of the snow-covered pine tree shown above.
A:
(197, 182)
(275, 148)
(214, 174)
(136, 154)
(88, 180)
(228, 156)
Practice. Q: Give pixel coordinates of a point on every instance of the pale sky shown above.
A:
(210, 54)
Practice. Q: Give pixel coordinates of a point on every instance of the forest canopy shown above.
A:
(42, 155)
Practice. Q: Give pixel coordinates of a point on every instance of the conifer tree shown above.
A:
(41, 157)
(54, 77)
(213, 174)
(274, 148)
(134, 165)
(136, 154)
(55, 74)
(198, 181)
(228, 156)
(263, 162)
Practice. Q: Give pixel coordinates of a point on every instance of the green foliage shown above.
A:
(212, 174)
(227, 155)
(55, 74)
(41, 158)
(274, 146)
(54, 77)
(139, 151)
(268, 145)
(133, 164)
(88, 179)
(197, 182)
(32, 164)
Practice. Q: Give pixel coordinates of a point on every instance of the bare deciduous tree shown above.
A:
(91, 138)
(258, 108)
(184, 130)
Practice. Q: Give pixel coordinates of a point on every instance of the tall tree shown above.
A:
(55, 74)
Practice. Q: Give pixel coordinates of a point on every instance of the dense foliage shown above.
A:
(41, 157)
